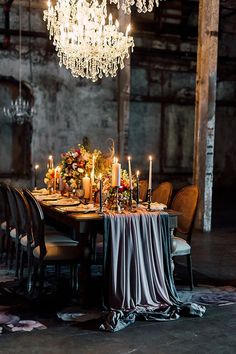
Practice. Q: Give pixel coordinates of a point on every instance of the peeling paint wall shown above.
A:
(161, 110)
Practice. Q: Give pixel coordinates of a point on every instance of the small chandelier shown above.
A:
(84, 42)
(142, 5)
(19, 111)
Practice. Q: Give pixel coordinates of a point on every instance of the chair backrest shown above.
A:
(23, 213)
(3, 202)
(143, 188)
(37, 218)
(13, 217)
(163, 192)
(185, 201)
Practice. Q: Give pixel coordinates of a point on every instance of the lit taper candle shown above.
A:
(50, 162)
(130, 173)
(100, 193)
(36, 167)
(137, 181)
(150, 173)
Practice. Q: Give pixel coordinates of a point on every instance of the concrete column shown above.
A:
(205, 108)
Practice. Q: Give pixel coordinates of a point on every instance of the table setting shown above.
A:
(89, 187)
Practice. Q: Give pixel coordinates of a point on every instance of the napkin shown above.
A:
(154, 206)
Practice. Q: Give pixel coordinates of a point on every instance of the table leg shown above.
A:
(173, 248)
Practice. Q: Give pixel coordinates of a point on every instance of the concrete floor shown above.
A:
(214, 263)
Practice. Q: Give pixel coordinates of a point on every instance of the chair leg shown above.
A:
(76, 277)
(17, 259)
(30, 273)
(72, 283)
(41, 277)
(7, 249)
(12, 251)
(190, 271)
(21, 263)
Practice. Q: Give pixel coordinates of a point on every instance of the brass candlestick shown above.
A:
(100, 211)
(149, 197)
(116, 206)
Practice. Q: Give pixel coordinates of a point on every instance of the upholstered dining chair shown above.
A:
(162, 193)
(185, 202)
(46, 250)
(9, 225)
(143, 188)
(3, 218)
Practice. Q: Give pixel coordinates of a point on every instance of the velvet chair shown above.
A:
(162, 193)
(185, 202)
(48, 250)
(143, 188)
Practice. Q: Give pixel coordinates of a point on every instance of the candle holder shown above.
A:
(149, 198)
(137, 193)
(131, 200)
(92, 199)
(100, 210)
(116, 205)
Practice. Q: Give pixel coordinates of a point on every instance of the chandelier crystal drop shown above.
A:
(19, 111)
(142, 5)
(87, 42)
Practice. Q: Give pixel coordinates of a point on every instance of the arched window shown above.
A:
(15, 139)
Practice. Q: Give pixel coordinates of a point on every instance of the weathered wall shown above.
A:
(162, 102)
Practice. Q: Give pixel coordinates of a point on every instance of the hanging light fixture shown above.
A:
(86, 43)
(20, 110)
(142, 5)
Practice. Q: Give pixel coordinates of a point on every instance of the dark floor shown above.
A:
(214, 263)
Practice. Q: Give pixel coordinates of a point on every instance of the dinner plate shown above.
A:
(154, 206)
(83, 209)
(65, 202)
(42, 191)
(47, 197)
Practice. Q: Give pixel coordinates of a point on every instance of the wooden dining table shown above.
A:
(137, 263)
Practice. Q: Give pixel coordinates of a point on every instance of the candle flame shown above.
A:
(150, 158)
(50, 157)
(129, 158)
(138, 173)
(36, 167)
(100, 176)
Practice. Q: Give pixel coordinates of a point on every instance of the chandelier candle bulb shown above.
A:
(150, 173)
(116, 173)
(86, 187)
(128, 30)
(130, 173)
(36, 167)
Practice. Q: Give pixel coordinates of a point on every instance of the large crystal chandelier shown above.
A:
(86, 42)
(142, 5)
(19, 111)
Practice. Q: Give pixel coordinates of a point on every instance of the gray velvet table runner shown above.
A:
(138, 277)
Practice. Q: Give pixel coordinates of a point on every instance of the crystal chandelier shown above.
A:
(142, 5)
(84, 42)
(19, 111)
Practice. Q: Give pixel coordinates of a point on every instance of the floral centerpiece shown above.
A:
(124, 190)
(78, 162)
(50, 175)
